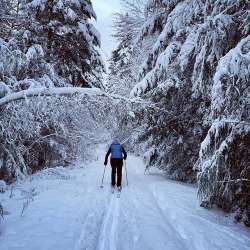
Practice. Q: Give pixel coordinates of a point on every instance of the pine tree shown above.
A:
(197, 78)
(11, 18)
(45, 44)
(69, 41)
(128, 56)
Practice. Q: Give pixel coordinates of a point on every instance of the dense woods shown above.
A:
(178, 90)
(194, 69)
(46, 44)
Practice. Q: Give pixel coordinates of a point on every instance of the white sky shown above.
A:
(104, 10)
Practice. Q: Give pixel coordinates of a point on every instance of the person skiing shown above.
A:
(118, 153)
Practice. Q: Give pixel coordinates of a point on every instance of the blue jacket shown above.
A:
(117, 151)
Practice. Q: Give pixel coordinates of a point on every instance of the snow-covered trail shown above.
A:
(69, 211)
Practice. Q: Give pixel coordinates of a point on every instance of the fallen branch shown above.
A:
(63, 91)
(234, 181)
(49, 92)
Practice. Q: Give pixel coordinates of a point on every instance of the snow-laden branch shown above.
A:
(234, 181)
(62, 91)
(47, 92)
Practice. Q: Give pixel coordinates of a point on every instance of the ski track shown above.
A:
(108, 238)
(152, 213)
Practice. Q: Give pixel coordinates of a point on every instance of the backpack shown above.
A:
(116, 150)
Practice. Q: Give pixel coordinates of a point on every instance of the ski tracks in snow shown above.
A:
(99, 230)
(152, 214)
(108, 234)
(155, 230)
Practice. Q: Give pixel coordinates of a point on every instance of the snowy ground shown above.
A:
(64, 209)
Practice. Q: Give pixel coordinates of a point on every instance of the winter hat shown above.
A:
(115, 140)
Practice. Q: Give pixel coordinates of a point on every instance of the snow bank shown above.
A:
(64, 209)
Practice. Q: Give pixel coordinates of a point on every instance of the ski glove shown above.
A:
(105, 163)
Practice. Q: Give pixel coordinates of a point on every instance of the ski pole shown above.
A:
(126, 172)
(103, 176)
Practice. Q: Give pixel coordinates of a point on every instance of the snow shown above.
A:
(147, 28)
(84, 29)
(4, 89)
(161, 67)
(64, 208)
(95, 33)
(49, 92)
(234, 65)
(38, 4)
(213, 131)
(3, 186)
(89, 9)
(59, 6)
(132, 114)
(34, 52)
(70, 14)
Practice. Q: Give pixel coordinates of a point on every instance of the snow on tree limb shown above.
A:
(62, 92)
(49, 92)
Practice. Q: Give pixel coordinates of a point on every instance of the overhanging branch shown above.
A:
(49, 92)
(63, 91)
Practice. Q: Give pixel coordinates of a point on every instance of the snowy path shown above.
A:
(70, 212)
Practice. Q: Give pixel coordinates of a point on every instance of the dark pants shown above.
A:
(116, 165)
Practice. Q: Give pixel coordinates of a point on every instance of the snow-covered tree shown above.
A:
(47, 44)
(128, 56)
(23, 70)
(69, 40)
(47, 131)
(23, 65)
(224, 154)
(11, 17)
(196, 76)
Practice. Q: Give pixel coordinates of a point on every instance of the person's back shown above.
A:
(116, 150)
(118, 153)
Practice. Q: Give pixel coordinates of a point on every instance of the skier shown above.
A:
(118, 153)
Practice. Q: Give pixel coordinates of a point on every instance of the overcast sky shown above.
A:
(104, 10)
